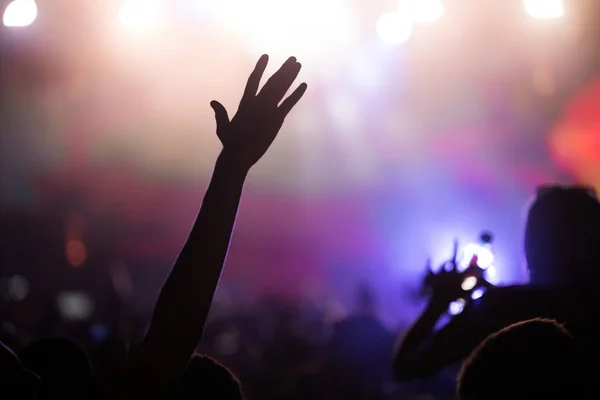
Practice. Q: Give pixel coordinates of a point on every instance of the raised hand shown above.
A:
(248, 135)
(446, 284)
(185, 299)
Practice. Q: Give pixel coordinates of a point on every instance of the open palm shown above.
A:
(248, 135)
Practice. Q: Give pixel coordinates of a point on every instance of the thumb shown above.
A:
(220, 115)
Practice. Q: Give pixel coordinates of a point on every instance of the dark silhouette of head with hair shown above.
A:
(63, 367)
(535, 359)
(15, 382)
(562, 236)
(206, 378)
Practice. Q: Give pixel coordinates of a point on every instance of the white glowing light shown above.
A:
(139, 13)
(456, 307)
(20, 13)
(477, 293)
(469, 283)
(484, 254)
(394, 28)
(545, 9)
(422, 10)
(491, 275)
(76, 306)
(282, 28)
(18, 288)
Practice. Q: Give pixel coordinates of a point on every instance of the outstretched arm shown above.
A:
(409, 359)
(423, 352)
(184, 301)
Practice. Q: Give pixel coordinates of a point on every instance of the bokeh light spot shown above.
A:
(18, 288)
(228, 343)
(75, 306)
(456, 307)
(477, 293)
(469, 283)
(76, 253)
(20, 13)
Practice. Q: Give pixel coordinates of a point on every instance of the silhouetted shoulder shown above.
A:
(507, 297)
(576, 307)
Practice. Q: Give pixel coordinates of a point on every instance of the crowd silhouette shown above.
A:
(530, 341)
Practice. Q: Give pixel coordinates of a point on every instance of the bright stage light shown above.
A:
(421, 10)
(484, 254)
(139, 13)
(545, 9)
(20, 13)
(279, 28)
(394, 28)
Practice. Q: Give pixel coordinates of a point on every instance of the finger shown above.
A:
(292, 99)
(279, 83)
(448, 267)
(254, 78)
(455, 250)
(220, 116)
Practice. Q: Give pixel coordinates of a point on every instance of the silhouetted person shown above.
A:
(206, 378)
(562, 237)
(535, 359)
(157, 364)
(63, 367)
(562, 247)
(15, 382)
(360, 350)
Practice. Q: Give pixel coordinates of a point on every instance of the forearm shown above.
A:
(185, 299)
(407, 355)
(183, 304)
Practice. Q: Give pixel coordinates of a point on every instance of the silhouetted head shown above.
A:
(535, 359)
(62, 366)
(15, 382)
(206, 378)
(562, 236)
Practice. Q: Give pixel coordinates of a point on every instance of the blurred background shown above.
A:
(425, 121)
